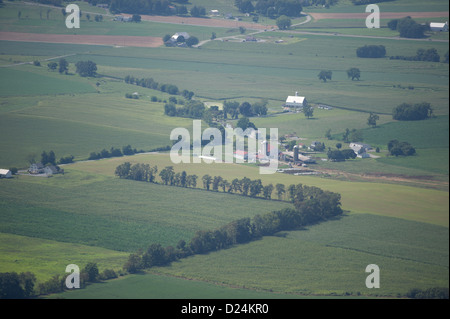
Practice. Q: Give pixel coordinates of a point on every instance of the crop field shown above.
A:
(396, 208)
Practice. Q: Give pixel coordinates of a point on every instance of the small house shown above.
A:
(214, 13)
(5, 173)
(36, 168)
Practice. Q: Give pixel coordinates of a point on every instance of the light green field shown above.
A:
(88, 214)
(46, 258)
(424, 205)
(324, 259)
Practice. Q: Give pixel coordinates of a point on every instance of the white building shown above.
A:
(296, 101)
(5, 173)
(185, 35)
(436, 26)
(214, 12)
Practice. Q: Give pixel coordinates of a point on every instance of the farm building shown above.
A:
(360, 148)
(296, 101)
(214, 12)
(185, 35)
(5, 173)
(36, 168)
(436, 26)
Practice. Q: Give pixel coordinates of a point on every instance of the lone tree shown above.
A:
(372, 120)
(283, 22)
(325, 75)
(354, 73)
(86, 68)
(63, 66)
(308, 111)
(192, 41)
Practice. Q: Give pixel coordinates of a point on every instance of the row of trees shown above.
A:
(23, 285)
(114, 152)
(311, 205)
(271, 8)
(412, 112)
(430, 55)
(234, 108)
(152, 84)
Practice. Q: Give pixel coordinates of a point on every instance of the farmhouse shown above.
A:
(360, 148)
(436, 26)
(296, 101)
(36, 168)
(214, 12)
(5, 173)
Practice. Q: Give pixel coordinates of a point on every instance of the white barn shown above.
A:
(5, 173)
(436, 26)
(185, 35)
(296, 101)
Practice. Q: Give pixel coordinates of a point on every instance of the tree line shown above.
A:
(430, 55)
(311, 205)
(152, 84)
(22, 285)
(271, 8)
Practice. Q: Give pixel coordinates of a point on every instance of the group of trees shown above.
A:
(271, 8)
(371, 51)
(341, 155)
(50, 159)
(23, 285)
(114, 152)
(86, 68)
(247, 109)
(311, 205)
(157, 7)
(83, 68)
(412, 112)
(152, 84)
(408, 28)
(191, 109)
(397, 148)
(430, 55)
(63, 66)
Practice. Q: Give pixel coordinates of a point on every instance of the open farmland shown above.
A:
(396, 211)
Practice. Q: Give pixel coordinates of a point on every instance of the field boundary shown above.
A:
(108, 40)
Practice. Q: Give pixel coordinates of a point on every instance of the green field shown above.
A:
(398, 220)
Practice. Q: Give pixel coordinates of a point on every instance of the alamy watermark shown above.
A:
(73, 279)
(260, 149)
(373, 280)
(73, 19)
(373, 19)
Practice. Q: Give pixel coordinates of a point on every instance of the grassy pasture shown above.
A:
(34, 20)
(424, 205)
(155, 286)
(328, 259)
(389, 6)
(91, 209)
(46, 258)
